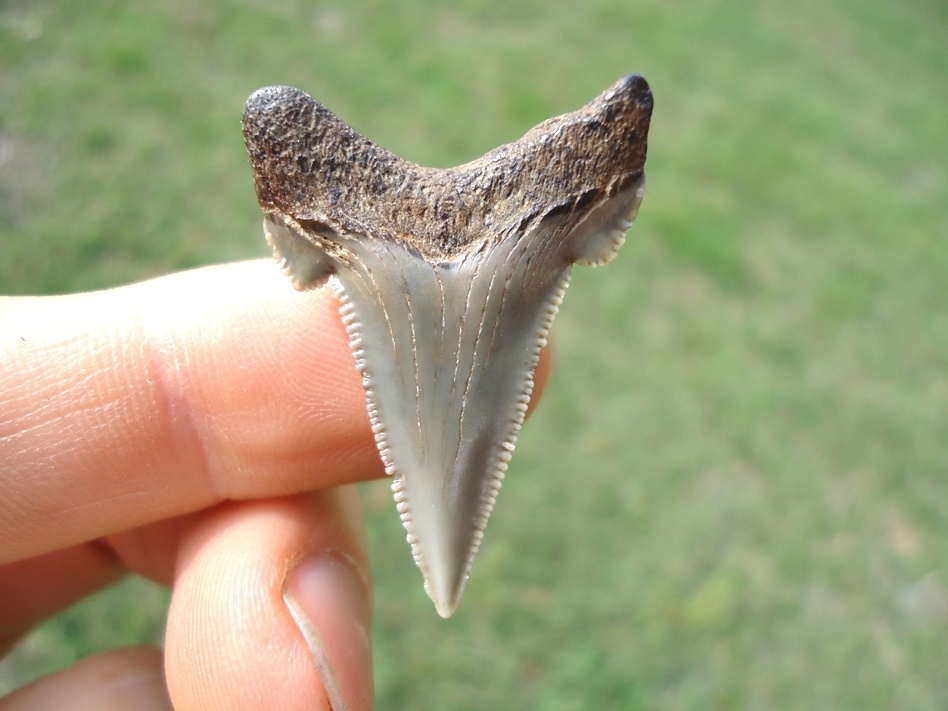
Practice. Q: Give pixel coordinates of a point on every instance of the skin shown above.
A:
(203, 430)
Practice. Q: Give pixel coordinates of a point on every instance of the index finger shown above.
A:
(138, 403)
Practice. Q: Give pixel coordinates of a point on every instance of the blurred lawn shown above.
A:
(735, 492)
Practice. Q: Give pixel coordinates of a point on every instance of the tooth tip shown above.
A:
(446, 595)
(446, 610)
(445, 561)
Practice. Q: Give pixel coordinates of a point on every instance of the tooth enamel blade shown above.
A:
(447, 354)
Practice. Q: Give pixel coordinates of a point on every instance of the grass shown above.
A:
(735, 494)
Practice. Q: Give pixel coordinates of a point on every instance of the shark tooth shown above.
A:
(449, 280)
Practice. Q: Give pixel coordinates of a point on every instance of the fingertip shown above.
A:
(542, 375)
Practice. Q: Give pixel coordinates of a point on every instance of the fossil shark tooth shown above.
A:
(449, 281)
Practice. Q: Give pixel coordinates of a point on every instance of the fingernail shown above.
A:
(330, 608)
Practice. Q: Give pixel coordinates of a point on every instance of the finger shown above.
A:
(33, 589)
(232, 640)
(136, 404)
(116, 680)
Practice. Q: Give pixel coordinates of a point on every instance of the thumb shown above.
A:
(271, 607)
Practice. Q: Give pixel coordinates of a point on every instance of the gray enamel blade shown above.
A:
(449, 281)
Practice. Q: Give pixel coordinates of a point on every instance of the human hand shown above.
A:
(196, 429)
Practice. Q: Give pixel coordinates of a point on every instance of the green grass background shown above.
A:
(735, 492)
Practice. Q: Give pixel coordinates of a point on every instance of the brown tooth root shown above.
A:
(449, 282)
